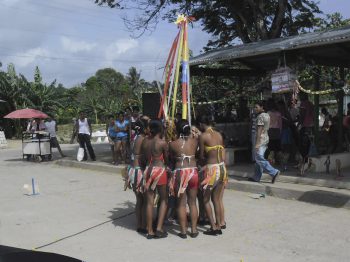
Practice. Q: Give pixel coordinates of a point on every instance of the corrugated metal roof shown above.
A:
(307, 40)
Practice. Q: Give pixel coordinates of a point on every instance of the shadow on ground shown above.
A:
(325, 198)
(124, 216)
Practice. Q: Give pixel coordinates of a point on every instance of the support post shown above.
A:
(316, 105)
(340, 100)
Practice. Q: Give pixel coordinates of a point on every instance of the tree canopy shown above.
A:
(227, 20)
(106, 92)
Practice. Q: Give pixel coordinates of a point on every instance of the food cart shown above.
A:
(36, 145)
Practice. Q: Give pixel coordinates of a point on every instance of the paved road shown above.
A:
(93, 216)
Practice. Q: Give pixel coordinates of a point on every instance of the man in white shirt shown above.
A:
(51, 127)
(84, 131)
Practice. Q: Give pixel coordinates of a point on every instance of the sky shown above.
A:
(70, 40)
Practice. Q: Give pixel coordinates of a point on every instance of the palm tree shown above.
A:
(136, 84)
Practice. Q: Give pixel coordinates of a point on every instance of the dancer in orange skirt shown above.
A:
(185, 176)
(135, 174)
(155, 148)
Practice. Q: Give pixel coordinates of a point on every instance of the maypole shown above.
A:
(178, 58)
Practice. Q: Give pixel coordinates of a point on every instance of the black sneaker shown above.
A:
(275, 176)
(250, 179)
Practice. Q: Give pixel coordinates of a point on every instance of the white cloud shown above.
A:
(28, 57)
(119, 47)
(74, 46)
(41, 31)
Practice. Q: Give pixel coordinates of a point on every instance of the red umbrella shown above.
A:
(26, 113)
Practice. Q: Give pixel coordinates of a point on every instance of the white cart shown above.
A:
(36, 145)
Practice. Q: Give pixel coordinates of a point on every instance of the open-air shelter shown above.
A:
(329, 48)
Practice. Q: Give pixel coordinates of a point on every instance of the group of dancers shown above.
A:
(188, 166)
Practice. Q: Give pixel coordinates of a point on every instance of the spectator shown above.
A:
(306, 124)
(333, 135)
(134, 117)
(84, 131)
(30, 124)
(286, 133)
(327, 119)
(262, 140)
(51, 127)
(253, 134)
(346, 127)
(135, 114)
(306, 120)
(274, 130)
(121, 128)
(37, 125)
(112, 135)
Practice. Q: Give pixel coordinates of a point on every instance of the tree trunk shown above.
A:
(277, 24)
(96, 116)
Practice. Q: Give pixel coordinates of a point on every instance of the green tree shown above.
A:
(104, 93)
(45, 97)
(16, 89)
(227, 20)
(334, 20)
(91, 97)
(71, 103)
(136, 84)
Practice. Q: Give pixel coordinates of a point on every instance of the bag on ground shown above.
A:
(80, 155)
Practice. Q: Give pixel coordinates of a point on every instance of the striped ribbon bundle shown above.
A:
(178, 57)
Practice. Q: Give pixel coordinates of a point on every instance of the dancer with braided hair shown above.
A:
(135, 174)
(185, 176)
(155, 151)
(212, 155)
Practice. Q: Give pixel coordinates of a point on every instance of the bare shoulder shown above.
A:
(171, 144)
(204, 136)
(163, 143)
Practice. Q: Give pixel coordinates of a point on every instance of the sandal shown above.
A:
(218, 231)
(210, 232)
(149, 236)
(183, 236)
(160, 234)
(194, 235)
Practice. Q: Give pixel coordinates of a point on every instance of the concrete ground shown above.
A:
(87, 215)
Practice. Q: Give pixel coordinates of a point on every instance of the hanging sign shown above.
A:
(283, 80)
